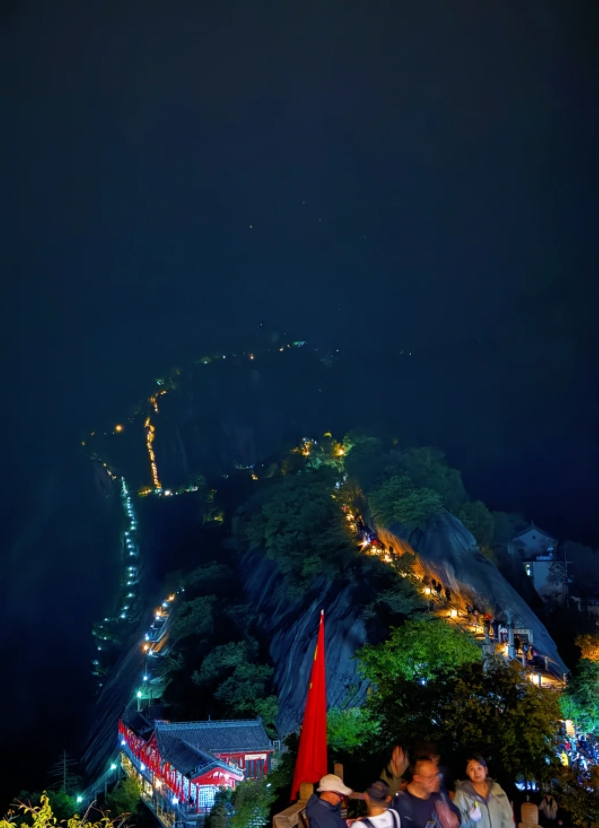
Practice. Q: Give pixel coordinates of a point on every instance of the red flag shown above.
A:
(312, 762)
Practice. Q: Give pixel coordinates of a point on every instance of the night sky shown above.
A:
(364, 174)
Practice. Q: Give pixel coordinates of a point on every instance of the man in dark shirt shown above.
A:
(323, 810)
(421, 804)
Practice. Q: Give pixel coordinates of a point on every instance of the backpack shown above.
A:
(401, 796)
(396, 820)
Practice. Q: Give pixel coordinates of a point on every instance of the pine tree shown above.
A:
(62, 772)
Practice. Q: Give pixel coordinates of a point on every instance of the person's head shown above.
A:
(332, 789)
(425, 774)
(476, 769)
(377, 797)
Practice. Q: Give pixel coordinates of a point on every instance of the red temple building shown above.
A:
(181, 765)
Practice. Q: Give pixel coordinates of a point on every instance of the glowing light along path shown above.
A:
(150, 436)
(154, 399)
(132, 570)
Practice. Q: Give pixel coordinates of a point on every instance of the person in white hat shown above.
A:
(323, 808)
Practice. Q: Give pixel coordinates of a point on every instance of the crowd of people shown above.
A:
(416, 795)
(579, 753)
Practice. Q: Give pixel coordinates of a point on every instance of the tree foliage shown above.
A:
(397, 501)
(426, 468)
(245, 691)
(222, 660)
(478, 519)
(364, 460)
(248, 806)
(495, 710)
(126, 797)
(430, 683)
(580, 699)
(42, 816)
(583, 568)
(589, 646)
(505, 527)
(209, 579)
(301, 527)
(63, 804)
(579, 795)
(235, 679)
(349, 729)
(194, 618)
(417, 651)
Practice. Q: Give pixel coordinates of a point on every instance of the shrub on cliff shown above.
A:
(231, 673)
(477, 518)
(194, 618)
(301, 526)
(426, 468)
(397, 501)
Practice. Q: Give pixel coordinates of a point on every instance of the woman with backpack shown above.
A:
(482, 802)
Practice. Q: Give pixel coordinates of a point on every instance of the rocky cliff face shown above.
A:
(292, 626)
(448, 551)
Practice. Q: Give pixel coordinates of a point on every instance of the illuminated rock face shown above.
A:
(291, 626)
(449, 552)
(446, 549)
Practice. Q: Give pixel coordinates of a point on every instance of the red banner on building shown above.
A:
(311, 762)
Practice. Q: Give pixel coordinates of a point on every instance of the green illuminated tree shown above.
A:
(446, 695)
(301, 527)
(251, 802)
(397, 501)
(426, 468)
(126, 797)
(494, 709)
(417, 651)
(350, 729)
(580, 699)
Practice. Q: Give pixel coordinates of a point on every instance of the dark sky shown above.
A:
(405, 173)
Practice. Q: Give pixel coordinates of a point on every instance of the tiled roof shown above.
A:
(138, 723)
(531, 528)
(188, 760)
(217, 737)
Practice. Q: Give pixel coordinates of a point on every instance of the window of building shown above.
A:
(254, 769)
(206, 796)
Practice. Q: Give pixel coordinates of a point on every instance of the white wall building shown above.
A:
(536, 549)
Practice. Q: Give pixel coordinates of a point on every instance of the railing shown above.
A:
(171, 814)
(289, 818)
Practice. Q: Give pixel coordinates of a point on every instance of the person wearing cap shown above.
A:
(323, 810)
(379, 814)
